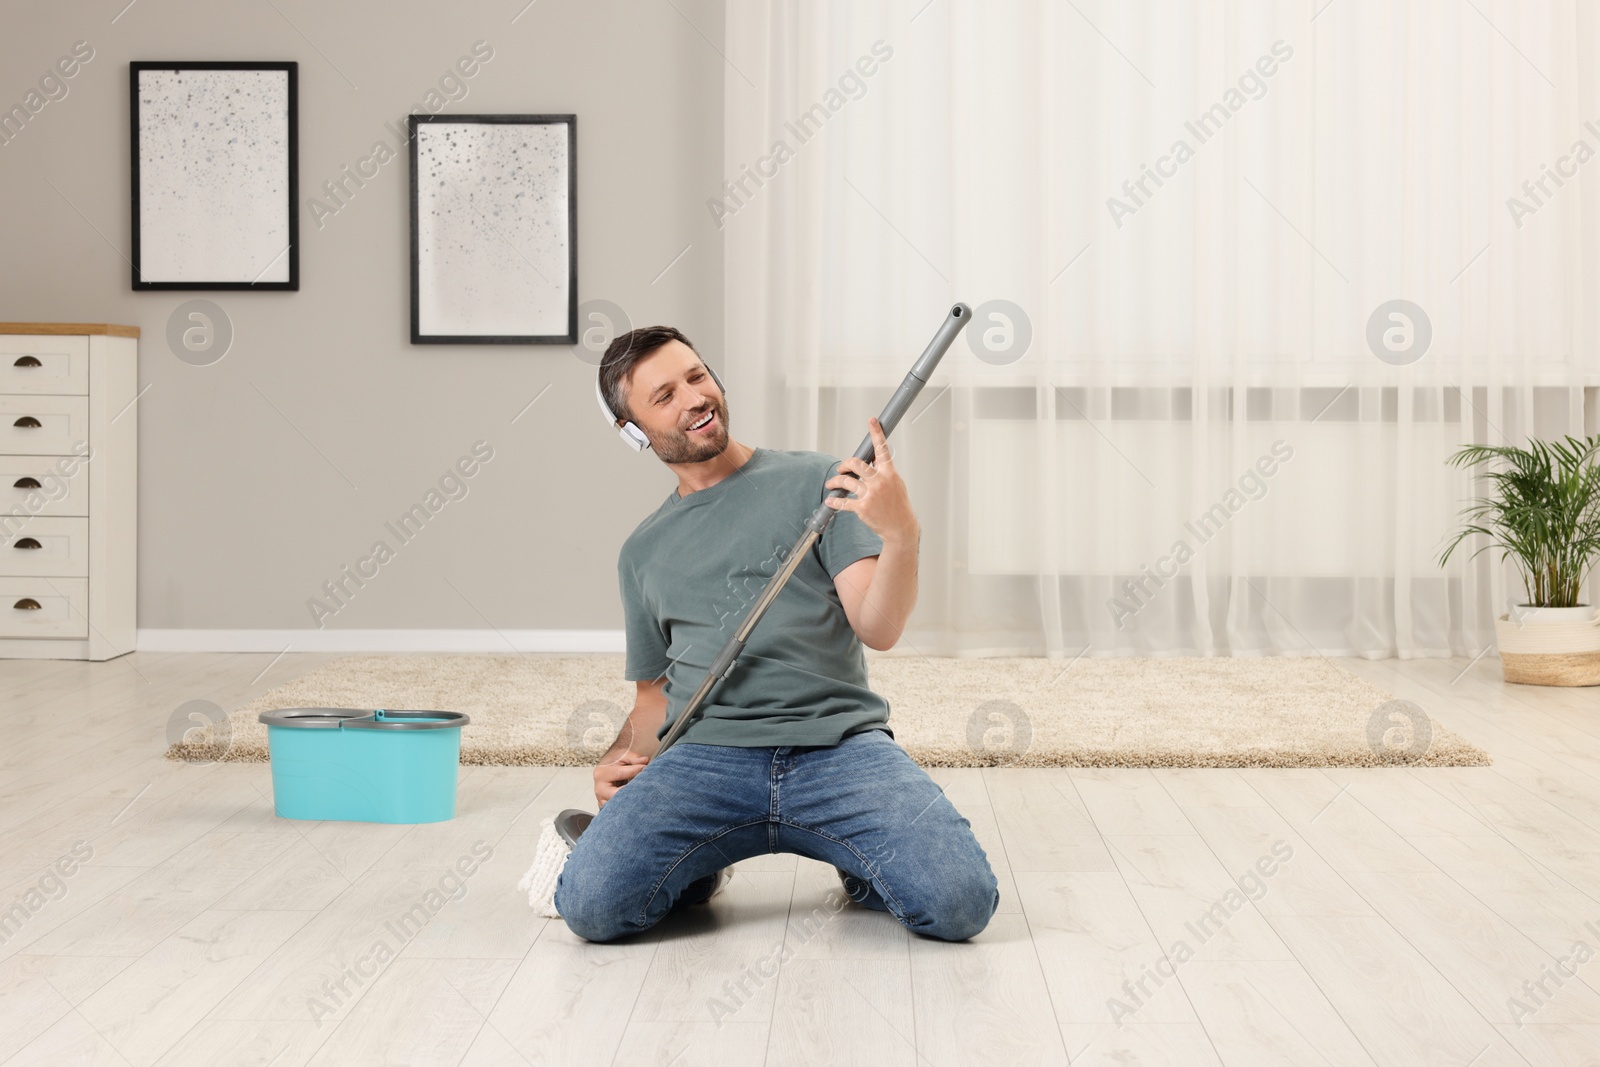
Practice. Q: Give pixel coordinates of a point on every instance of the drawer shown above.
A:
(35, 485)
(43, 425)
(44, 546)
(44, 607)
(42, 364)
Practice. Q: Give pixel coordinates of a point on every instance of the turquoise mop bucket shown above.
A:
(364, 766)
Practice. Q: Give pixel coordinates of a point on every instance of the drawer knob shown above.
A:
(28, 422)
(28, 361)
(27, 603)
(27, 542)
(26, 482)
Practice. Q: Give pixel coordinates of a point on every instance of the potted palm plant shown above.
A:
(1543, 511)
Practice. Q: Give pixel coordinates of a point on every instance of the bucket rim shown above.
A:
(362, 719)
(310, 718)
(388, 719)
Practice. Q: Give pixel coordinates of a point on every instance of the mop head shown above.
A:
(548, 859)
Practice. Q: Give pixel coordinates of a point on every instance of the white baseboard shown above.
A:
(307, 640)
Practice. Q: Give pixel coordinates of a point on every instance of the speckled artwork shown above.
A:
(214, 176)
(493, 251)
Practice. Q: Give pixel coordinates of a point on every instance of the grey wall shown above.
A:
(263, 474)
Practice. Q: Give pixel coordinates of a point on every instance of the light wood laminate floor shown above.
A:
(1410, 917)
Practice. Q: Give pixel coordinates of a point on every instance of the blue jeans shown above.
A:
(861, 805)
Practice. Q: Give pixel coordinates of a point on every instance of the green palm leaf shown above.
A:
(1542, 509)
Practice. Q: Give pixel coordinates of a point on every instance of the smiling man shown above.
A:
(794, 752)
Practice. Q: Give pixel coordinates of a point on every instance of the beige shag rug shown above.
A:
(1113, 712)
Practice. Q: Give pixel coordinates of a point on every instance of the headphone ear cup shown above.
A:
(635, 437)
(631, 435)
(723, 389)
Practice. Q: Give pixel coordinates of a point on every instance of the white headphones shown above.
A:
(632, 436)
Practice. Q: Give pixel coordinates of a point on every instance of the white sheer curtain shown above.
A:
(1097, 493)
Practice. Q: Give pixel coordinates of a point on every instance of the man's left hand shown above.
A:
(881, 499)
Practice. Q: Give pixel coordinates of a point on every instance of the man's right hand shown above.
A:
(614, 772)
(622, 763)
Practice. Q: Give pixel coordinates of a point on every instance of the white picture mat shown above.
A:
(214, 176)
(493, 241)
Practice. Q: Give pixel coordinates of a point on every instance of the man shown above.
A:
(794, 753)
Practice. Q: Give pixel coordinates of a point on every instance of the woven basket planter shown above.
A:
(1565, 650)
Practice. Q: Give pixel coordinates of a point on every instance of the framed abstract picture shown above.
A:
(215, 175)
(494, 244)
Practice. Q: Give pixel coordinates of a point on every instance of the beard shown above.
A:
(681, 446)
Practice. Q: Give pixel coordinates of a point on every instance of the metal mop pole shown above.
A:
(898, 404)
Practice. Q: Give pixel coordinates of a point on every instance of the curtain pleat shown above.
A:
(1197, 211)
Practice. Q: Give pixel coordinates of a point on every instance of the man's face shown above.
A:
(671, 391)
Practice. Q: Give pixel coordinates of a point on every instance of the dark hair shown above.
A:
(625, 351)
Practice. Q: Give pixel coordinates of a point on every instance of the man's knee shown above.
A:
(958, 907)
(593, 907)
(592, 923)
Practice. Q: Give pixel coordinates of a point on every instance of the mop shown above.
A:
(558, 834)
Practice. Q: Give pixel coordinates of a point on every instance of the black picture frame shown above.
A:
(568, 336)
(143, 242)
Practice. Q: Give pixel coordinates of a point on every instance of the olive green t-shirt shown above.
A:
(691, 571)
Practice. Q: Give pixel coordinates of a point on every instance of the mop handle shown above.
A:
(898, 404)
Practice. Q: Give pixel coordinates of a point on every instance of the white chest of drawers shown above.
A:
(69, 438)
